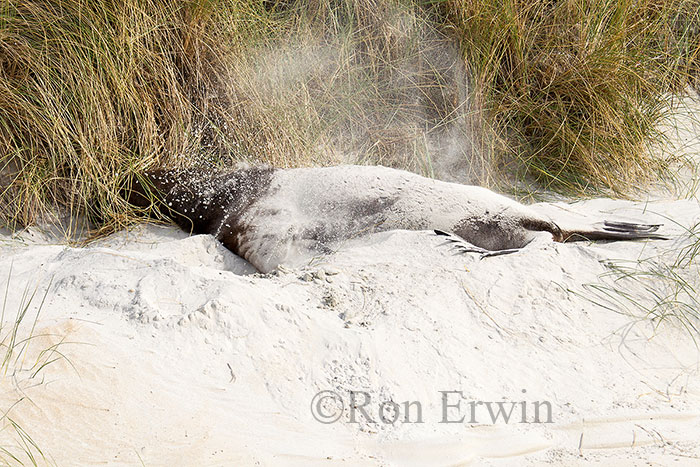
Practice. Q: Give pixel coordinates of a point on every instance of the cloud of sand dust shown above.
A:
(393, 91)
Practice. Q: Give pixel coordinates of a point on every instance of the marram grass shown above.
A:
(567, 92)
(578, 88)
(25, 356)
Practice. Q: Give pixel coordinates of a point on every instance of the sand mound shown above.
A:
(177, 353)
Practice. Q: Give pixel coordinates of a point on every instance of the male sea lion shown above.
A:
(287, 216)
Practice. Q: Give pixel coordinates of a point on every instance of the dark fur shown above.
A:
(200, 203)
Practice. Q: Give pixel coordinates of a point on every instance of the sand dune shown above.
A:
(176, 353)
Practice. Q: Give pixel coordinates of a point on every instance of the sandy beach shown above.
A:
(174, 352)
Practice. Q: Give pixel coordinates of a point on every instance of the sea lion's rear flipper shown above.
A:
(462, 246)
(613, 230)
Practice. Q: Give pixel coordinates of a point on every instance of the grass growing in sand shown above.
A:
(22, 366)
(578, 89)
(568, 92)
(660, 288)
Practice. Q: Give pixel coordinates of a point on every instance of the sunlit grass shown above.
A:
(567, 93)
(577, 90)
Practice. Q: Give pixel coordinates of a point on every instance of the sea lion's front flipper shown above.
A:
(462, 246)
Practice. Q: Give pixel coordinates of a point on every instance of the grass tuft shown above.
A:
(91, 92)
(22, 366)
(660, 288)
(577, 89)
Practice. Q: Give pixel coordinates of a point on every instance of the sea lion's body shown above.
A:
(287, 216)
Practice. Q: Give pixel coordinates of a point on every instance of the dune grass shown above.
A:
(22, 365)
(661, 288)
(92, 90)
(567, 92)
(577, 89)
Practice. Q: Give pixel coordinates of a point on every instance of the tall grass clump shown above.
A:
(92, 91)
(576, 89)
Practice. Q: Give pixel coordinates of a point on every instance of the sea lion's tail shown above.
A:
(612, 230)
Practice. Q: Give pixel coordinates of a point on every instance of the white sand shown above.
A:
(152, 319)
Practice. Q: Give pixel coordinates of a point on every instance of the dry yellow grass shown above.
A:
(578, 88)
(569, 92)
